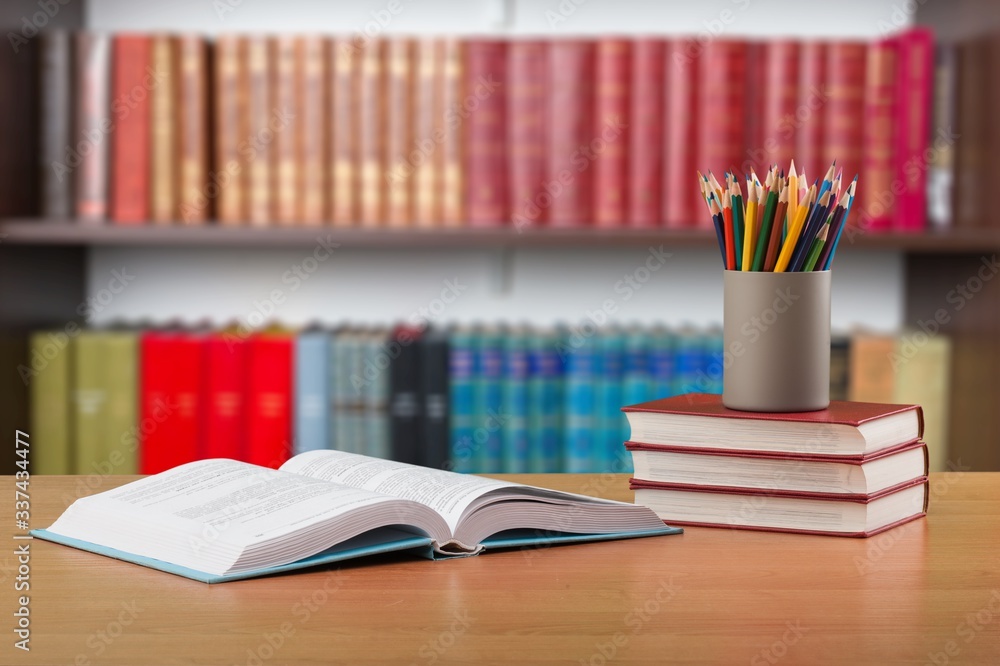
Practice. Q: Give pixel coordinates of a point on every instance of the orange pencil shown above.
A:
(776, 228)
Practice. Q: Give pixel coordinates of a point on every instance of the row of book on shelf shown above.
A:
(468, 398)
(429, 132)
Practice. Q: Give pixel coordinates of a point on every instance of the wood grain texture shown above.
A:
(713, 596)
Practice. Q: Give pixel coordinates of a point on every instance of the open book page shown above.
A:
(448, 493)
(206, 515)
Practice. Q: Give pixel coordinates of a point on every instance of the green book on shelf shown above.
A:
(51, 437)
(119, 379)
(90, 402)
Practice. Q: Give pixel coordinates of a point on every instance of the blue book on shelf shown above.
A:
(713, 360)
(637, 385)
(688, 361)
(461, 389)
(661, 362)
(515, 402)
(609, 450)
(312, 391)
(545, 403)
(489, 417)
(375, 429)
(581, 402)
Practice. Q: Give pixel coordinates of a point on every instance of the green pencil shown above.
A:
(764, 234)
(816, 248)
(737, 223)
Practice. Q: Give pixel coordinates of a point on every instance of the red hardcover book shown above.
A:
(92, 55)
(875, 209)
(526, 87)
(829, 514)
(811, 111)
(722, 106)
(222, 397)
(268, 424)
(611, 124)
(485, 132)
(569, 136)
(645, 133)
(130, 140)
(170, 384)
(843, 134)
(913, 104)
(843, 429)
(776, 97)
(682, 204)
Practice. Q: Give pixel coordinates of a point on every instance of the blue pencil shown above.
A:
(847, 212)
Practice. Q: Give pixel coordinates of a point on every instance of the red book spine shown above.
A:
(913, 99)
(682, 205)
(484, 108)
(169, 431)
(646, 148)
(722, 107)
(843, 135)
(811, 110)
(268, 400)
(611, 105)
(568, 173)
(773, 139)
(222, 397)
(874, 212)
(130, 140)
(526, 130)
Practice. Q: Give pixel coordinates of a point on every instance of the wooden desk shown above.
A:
(714, 596)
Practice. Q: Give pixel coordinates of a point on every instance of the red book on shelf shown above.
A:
(130, 140)
(611, 117)
(913, 109)
(169, 389)
(195, 206)
(569, 171)
(811, 110)
(92, 105)
(222, 396)
(776, 97)
(311, 128)
(486, 133)
(875, 209)
(843, 133)
(721, 107)
(526, 130)
(645, 133)
(268, 399)
(682, 204)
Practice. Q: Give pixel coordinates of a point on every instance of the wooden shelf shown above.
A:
(70, 233)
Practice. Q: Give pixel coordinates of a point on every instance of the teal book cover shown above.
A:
(461, 390)
(609, 449)
(312, 391)
(545, 403)
(581, 402)
(489, 418)
(515, 402)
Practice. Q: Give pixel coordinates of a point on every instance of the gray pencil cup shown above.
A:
(776, 331)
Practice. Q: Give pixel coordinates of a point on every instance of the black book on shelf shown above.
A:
(435, 397)
(406, 435)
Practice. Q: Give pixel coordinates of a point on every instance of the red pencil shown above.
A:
(727, 216)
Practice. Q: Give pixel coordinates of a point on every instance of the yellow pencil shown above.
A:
(793, 234)
(793, 192)
(749, 223)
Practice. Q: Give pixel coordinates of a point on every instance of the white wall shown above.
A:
(541, 286)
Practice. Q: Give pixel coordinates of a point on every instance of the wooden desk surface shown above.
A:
(926, 592)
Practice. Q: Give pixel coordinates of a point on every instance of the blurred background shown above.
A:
(464, 234)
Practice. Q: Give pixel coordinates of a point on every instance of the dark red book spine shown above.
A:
(569, 138)
(646, 147)
(682, 205)
(843, 134)
(168, 402)
(913, 111)
(268, 400)
(484, 111)
(222, 397)
(874, 211)
(130, 140)
(722, 107)
(776, 100)
(811, 110)
(526, 131)
(611, 121)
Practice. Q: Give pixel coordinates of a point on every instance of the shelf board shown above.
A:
(71, 233)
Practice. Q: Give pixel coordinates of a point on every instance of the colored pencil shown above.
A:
(727, 218)
(713, 206)
(737, 212)
(764, 235)
(777, 229)
(793, 234)
(817, 247)
(749, 226)
(836, 238)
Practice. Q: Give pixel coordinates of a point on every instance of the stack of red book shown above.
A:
(853, 469)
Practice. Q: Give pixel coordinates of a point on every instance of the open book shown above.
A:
(220, 520)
